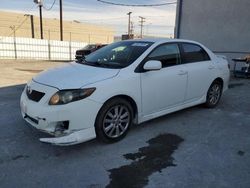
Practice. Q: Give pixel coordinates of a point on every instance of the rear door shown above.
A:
(200, 70)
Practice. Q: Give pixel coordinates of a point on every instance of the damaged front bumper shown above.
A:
(69, 124)
(62, 137)
(71, 139)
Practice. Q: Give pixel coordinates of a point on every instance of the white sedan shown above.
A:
(124, 83)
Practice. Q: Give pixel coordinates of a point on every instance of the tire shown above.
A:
(214, 94)
(114, 120)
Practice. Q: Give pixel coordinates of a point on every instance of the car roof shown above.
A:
(162, 40)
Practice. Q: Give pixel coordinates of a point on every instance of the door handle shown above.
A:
(211, 67)
(182, 72)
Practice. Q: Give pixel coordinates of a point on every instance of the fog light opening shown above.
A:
(61, 127)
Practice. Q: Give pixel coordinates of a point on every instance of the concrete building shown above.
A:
(221, 25)
(72, 30)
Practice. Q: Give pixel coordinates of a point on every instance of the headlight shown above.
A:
(67, 96)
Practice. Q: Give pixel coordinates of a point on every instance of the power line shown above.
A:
(137, 5)
(114, 18)
(14, 29)
(52, 5)
(28, 11)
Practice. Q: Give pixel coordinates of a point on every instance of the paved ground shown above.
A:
(196, 147)
(14, 72)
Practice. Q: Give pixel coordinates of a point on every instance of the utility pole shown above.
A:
(41, 20)
(40, 4)
(129, 28)
(61, 21)
(142, 20)
(14, 38)
(132, 28)
(31, 24)
(147, 29)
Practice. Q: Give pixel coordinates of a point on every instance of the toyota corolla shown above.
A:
(124, 83)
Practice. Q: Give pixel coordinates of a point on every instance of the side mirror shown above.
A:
(152, 65)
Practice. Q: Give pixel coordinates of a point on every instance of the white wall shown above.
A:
(221, 25)
(28, 48)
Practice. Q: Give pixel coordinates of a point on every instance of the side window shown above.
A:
(168, 54)
(194, 53)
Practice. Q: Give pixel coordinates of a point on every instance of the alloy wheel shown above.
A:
(116, 121)
(214, 94)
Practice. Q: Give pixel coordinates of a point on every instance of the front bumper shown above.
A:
(71, 139)
(80, 116)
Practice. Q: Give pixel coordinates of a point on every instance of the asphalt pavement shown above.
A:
(195, 147)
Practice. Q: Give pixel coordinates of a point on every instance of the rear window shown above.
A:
(194, 53)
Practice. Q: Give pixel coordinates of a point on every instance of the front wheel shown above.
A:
(214, 94)
(113, 120)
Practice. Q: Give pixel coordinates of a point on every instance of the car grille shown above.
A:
(31, 119)
(34, 95)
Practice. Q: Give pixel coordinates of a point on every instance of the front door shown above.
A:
(164, 88)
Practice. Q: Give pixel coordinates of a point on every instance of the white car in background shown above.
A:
(123, 83)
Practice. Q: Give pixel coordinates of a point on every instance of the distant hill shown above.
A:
(78, 32)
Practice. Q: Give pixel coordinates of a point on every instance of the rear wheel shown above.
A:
(113, 120)
(214, 94)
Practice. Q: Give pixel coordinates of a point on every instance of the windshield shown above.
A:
(89, 47)
(117, 55)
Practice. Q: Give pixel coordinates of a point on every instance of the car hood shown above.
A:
(74, 75)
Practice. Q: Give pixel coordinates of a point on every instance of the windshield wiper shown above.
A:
(100, 64)
(95, 63)
(84, 62)
(109, 64)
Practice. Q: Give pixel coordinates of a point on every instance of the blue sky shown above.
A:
(159, 20)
